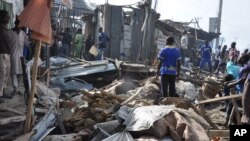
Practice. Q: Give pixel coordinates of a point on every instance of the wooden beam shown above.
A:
(218, 133)
(41, 110)
(11, 110)
(203, 112)
(131, 98)
(28, 121)
(66, 137)
(235, 105)
(237, 96)
(12, 119)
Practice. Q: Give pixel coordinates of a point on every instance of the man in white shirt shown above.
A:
(217, 57)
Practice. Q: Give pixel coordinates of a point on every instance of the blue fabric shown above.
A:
(233, 69)
(103, 39)
(243, 70)
(169, 57)
(65, 50)
(26, 52)
(206, 52)
(205, 60)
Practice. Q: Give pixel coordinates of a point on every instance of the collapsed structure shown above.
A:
(113, 99)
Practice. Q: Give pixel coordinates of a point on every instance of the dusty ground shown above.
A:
(16, 102)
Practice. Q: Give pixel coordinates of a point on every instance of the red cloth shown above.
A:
(36, 16)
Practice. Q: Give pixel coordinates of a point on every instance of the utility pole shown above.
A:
(156, 2)
(219, 23)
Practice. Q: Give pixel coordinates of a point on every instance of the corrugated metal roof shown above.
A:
(80, 7)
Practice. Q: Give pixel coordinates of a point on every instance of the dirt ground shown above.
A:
(17, 102)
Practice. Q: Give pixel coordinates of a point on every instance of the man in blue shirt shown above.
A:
(103, 39)
(206, 51)
(169, 68)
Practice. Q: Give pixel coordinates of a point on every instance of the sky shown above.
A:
(235, 22)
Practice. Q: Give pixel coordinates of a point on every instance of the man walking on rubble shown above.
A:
(66, 42)
(205, 52)
(103, 39)
(217, 57)
(6, 43)
(15, 53)
(169, 68)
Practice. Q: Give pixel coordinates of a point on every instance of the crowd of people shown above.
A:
(12, 43)
(65, 44)
(235, 67)
(229, 63)
(15, 43)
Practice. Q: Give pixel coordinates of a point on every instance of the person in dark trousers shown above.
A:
(217, 57)
(239, 83)
(8, 41)
(66, 42)
(223, 59)
(245, 119)
(169, 68)
(205, 52)
(103, 39)
(88, 43)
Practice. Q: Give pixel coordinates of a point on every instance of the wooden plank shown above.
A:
(12, 119)
(12, 134)
(41, 110)
(236, 111)
(237, 96)
(67, 137)
(218, 133)
(28, 122)
(11, 110)
(110, 110)
(203, 112)
(132, 97)
(25, 137)
(231, 117)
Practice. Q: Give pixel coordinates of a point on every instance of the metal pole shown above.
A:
(219, 23)
(156, 2)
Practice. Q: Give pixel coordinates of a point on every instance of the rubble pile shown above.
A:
(94, 112)
(99, 108)
(156, 122)
(126, 109)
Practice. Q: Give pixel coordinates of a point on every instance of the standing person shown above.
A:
(88, 43)
(217, 57)
(54, 47)
(237, 84)
(245, 52)
(103, 39)
(223, 60)
(6, 43)
(66, 42)
(184, 46)
(15, 53)
(169, 68)
(79, 43)
(233, 52)
(205, 52)
(245, 119)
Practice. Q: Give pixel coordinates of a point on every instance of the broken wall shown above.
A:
(113, 26)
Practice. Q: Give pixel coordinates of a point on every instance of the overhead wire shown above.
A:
(124, 4)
